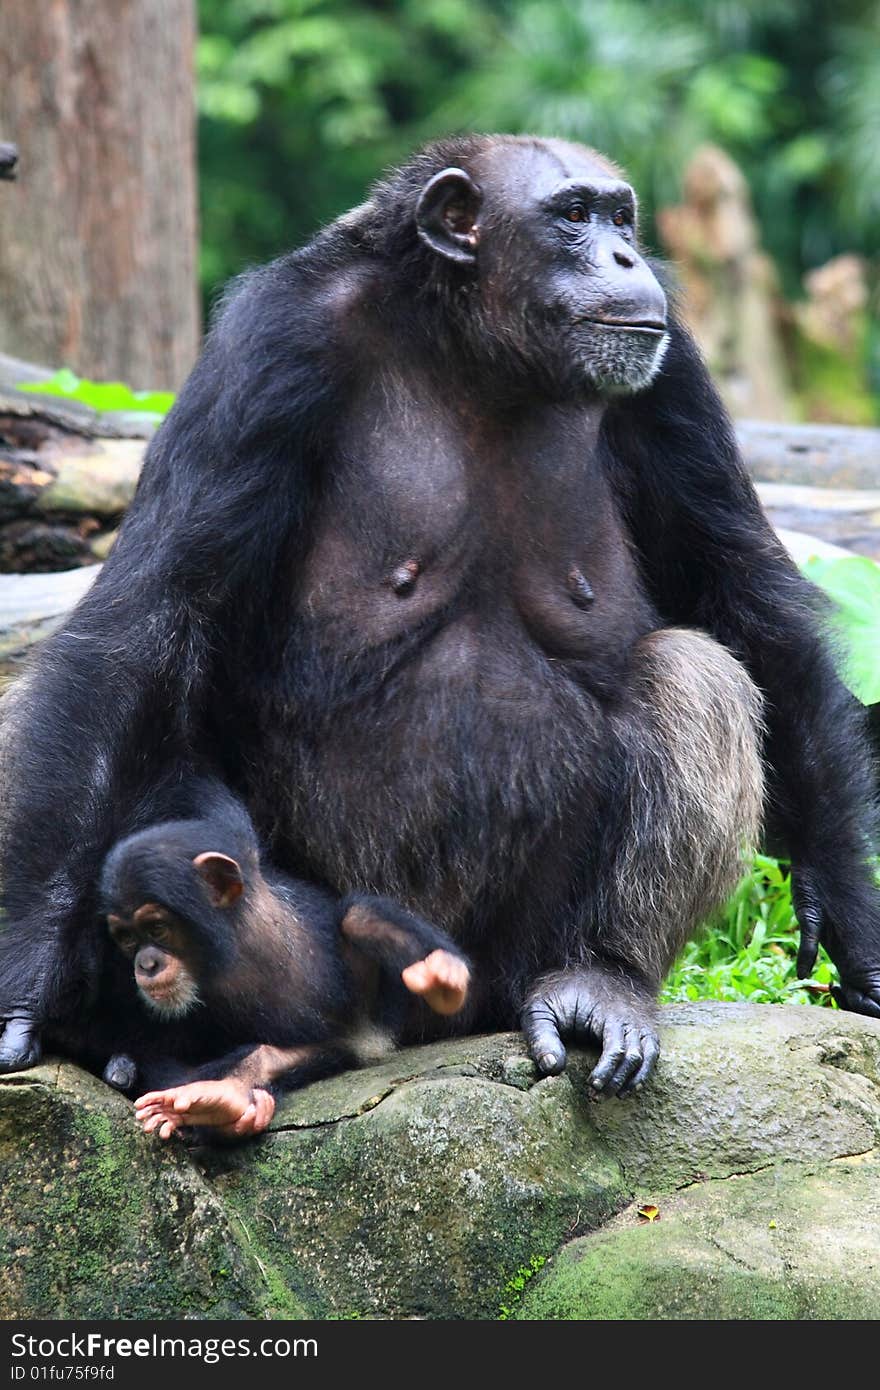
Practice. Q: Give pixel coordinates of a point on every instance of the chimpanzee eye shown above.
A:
(622, 218)
(576, 213)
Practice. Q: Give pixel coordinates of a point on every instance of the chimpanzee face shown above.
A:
(549, 230)
(174, 956)
(159, 947)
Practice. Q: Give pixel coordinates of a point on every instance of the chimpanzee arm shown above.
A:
(104, 732)
(712, 561)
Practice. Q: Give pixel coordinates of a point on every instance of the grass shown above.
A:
(750, 950)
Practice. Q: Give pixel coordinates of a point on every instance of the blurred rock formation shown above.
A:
(730, 292)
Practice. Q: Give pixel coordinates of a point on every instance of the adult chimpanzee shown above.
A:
(250, 982)
(445, 561)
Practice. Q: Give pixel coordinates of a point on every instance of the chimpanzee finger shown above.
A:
(245, 1122)
(613, 1051)
(155, 1121)
(265, 1108)
(255, 1118)
(148, 1111)
(856, 1002)
(650, 1053)
(20, 1045)
(808, 948)
(629, 1063)
(541, 1030)
(150, 1098)
(121, 1072)
(809, 915)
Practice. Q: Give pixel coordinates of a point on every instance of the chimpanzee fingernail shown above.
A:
(548, 1061)
(597, 1083)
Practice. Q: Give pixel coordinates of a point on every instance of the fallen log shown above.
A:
(840, 456)
(67, 474)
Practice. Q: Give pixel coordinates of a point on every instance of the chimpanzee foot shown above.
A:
(121, 1072)
(230, 1109)
(863, 998)
(441, 979)
(20, 1045)
(594, 1006)
(851, 937)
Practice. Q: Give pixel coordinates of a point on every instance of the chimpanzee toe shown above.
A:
(20, 1046)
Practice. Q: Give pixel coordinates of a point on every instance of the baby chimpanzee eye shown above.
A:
(576, 213)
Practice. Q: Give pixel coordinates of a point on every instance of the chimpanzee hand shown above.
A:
(850, 932)
(20, 1045)
(121, 1072)
(594, 1005)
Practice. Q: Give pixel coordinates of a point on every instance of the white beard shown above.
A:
(620, 361)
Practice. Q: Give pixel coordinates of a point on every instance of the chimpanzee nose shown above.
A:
(149, 962)
(629, 292)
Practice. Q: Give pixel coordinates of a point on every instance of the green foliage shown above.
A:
(303, 102)
(750, 952)
(853, 583)
(102, 395)
(835, 385)
(513, 1289)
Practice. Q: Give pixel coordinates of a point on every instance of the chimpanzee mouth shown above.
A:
(620, 359)
(655, 327)
(171, 1003)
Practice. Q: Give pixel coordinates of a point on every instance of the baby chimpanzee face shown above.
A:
(158, 945)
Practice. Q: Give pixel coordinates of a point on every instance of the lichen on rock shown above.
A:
(449, 1182)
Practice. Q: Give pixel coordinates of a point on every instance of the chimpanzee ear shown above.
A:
(446, 215)
(223, 877)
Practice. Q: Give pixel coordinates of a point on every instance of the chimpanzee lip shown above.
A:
(630, 325)
(158, 995)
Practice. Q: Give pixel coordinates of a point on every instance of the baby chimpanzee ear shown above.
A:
(223, 877)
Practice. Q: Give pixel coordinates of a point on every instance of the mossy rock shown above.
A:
(94, 1223)
(437, 1182)
(415, 1189)
(787, 1243)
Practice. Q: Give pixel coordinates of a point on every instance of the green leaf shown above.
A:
(853, 585)
(102, 395)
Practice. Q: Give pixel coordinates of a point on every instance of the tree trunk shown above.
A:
(98, 234)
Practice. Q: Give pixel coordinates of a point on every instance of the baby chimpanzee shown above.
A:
(253, 982)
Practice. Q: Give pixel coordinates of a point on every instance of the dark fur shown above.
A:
(284, 965)
(473, 753)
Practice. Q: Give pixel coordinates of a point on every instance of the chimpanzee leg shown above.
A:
(686, 802)
(410, 952)
(388, 933)
(234, 1096)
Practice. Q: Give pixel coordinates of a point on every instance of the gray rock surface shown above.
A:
(448, 1182)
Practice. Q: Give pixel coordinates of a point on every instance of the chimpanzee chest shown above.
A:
(463, 621)
(501, 545)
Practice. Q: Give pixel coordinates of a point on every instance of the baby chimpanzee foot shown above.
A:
(229, 1108)
(441, 979)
